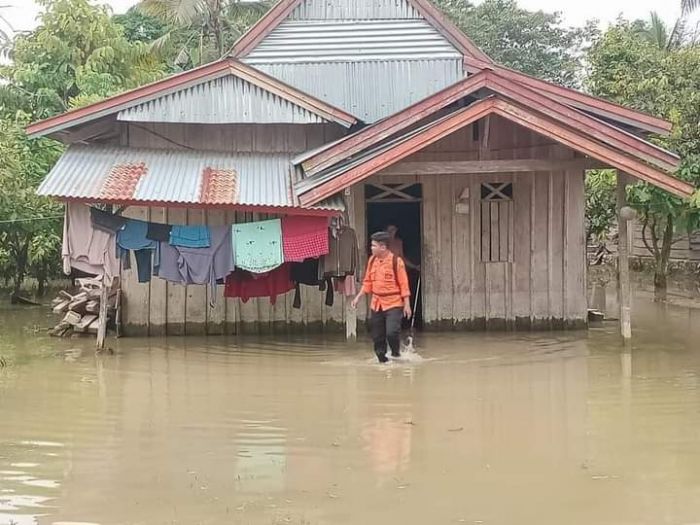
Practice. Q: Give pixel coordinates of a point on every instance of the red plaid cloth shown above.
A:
(304, 238)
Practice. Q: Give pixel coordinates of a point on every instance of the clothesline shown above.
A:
(30, 219)
(244, 256)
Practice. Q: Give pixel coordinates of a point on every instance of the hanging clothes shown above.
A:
(184, 265)
(257, 246)
(346, 285)
(245, 285)
(108, 222)
(158, 232)
(343, 255)
(190, 236)
(133, 237)
(304, 237)
(307, 273)
(86, 248)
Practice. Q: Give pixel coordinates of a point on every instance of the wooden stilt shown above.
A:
(623, 273)
(102, 326)
(350, 312)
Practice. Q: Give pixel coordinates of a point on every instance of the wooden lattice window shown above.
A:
(497, 222)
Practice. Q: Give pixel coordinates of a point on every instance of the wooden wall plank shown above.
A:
(233, 314)
(431, 257)
(461, 255)
(540, 258)
(478, 275)
(136, 296)
(176, 293)
(521, 243)
(577, 305)
(216, 316)
(197, 304)
(158, 309)
(445, 212)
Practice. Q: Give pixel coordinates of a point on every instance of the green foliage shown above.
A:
(76, 54)
(26, 243)
(200, 31)
(140, 27)
(533, 42)
(630, 68)
(600, 204)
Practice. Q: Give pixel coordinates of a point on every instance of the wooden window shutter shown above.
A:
(497, 222)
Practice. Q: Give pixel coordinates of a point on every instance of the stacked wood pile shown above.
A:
(80, 310)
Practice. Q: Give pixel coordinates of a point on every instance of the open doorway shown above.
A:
(400, 205)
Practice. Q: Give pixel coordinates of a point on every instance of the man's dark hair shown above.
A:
(381, 238)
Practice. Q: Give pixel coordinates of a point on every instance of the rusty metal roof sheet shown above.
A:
(173, 177)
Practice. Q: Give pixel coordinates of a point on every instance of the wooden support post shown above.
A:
(102, 326)
(623, 265)
(350, 312)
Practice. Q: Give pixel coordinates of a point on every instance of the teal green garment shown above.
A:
(257, 246)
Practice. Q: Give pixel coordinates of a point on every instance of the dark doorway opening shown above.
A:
(400, 205)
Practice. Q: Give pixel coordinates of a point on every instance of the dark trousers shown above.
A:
(385, 326)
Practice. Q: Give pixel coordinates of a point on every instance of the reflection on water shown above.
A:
(494, 429)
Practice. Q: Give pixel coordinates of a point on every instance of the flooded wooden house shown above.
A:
(381, 112)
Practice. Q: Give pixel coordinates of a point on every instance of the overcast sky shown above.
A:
(22, 13)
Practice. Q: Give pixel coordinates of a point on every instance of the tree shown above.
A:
(533, 42)
(657, 32)
(630, 69)
(28, 223)
(600, 204)
(77, 55)
(688, 6)
(200, 31)
(140, 27)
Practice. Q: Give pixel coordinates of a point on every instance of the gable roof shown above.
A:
(281, 11)
(494, 81)
(475, 61)
(188, 79)
(373, 149)
(583, 101)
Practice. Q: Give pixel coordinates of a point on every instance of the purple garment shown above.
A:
(183, 265)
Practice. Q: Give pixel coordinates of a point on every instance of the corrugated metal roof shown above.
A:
(354, 10)
(225, 100)
(174, 176)
(352, 40)
(369, 90)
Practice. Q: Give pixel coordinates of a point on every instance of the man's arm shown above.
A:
(366, 287)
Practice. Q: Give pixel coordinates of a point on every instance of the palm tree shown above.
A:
(657, 32)
(5, 35)
(203, 28)
(688, 6)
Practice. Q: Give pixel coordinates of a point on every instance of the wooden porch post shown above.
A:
(623, 264)
(350, 312)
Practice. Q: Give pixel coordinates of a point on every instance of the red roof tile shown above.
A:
(122, 181)
(219, 186)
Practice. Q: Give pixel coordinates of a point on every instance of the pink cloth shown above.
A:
(86, 248)
(346, 285)
(304, 238)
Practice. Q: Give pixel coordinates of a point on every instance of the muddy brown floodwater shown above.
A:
(559, 429)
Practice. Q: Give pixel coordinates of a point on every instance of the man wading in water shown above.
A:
(387, 282)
